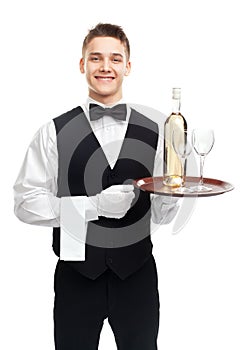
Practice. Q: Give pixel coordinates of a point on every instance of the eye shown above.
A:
(94, 58)
(116, 59)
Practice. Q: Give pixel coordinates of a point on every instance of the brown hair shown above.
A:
(107, 29)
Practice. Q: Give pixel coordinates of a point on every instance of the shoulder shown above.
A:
(48, 131)
(148, 116)
(64, 118)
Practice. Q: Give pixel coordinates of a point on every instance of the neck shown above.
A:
(176, 106)
(106, 100)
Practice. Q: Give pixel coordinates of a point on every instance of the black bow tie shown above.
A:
(117, 112)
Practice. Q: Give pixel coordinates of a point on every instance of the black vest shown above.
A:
(83, 170)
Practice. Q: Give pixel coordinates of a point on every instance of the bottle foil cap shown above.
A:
(176, 93)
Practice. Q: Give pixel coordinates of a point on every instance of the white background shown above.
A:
(197, 45)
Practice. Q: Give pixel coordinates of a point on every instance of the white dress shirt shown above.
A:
(35, 189)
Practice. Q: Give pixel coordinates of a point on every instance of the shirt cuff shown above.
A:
(72, 228)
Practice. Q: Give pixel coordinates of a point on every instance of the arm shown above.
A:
(36, 185)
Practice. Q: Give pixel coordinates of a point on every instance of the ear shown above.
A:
(128, 68)
(82, 65)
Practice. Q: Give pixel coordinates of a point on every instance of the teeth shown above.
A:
(105, 78)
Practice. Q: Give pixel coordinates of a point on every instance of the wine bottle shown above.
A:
(174, 126)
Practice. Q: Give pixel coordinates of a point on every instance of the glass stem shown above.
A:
(183, 161)
(202, 159)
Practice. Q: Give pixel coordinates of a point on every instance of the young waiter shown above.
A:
(77, 178)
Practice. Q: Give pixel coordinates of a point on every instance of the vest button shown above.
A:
(110, 260)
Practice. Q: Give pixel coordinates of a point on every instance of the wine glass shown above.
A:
(202, 141)
(183, 148)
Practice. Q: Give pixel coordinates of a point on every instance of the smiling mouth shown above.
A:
(102, 78)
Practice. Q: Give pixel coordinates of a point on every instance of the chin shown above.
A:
(105, 93)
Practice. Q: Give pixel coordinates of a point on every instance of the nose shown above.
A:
(105, 65)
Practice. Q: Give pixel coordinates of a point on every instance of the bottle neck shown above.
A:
(176, 105)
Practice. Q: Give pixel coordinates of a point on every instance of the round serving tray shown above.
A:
(155, 185)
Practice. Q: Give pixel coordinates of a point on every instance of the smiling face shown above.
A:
(105, 64)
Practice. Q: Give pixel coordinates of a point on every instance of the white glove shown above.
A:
(115, 201)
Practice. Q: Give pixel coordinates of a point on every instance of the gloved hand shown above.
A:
(115, 201)
(163, 208)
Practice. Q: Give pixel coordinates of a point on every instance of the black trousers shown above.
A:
(82, 305)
